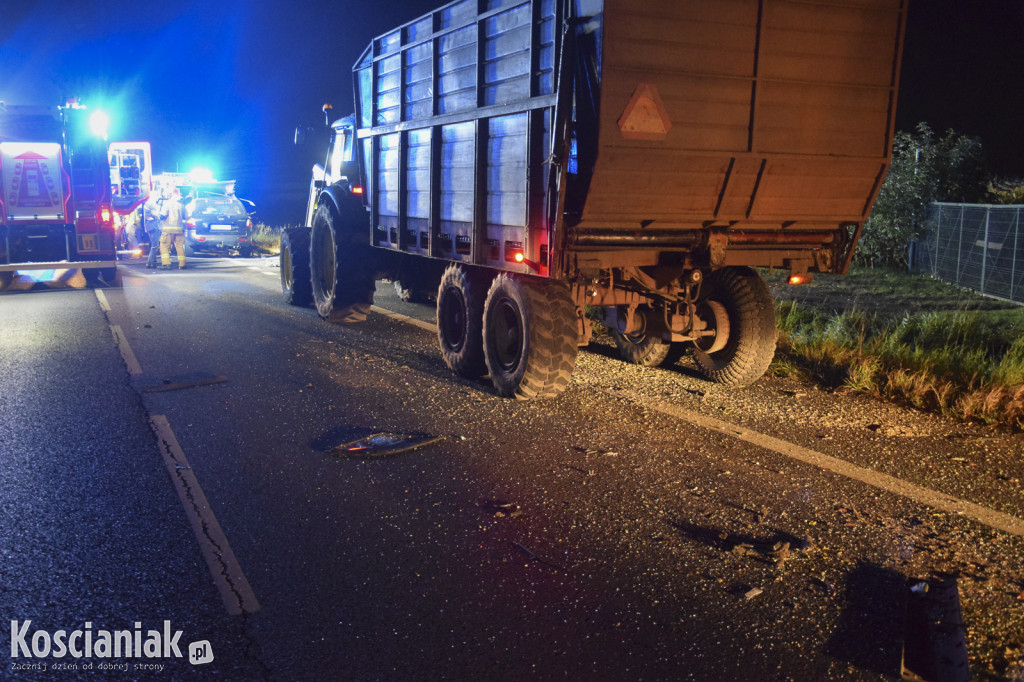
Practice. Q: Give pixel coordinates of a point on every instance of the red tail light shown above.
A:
(356, 189)
(104, 215)
(191, 222)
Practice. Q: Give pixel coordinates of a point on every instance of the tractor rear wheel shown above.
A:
(340, 266)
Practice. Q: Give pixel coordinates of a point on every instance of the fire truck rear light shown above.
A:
(356, 189)
(104, 215)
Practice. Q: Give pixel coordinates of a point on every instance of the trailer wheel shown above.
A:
(294, 259)
(410, 293)
(340, 267)
(649, 351)
(5, 279)
(460, 314)
(529, 337)
(742, 357)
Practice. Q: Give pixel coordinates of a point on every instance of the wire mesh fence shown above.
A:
(977, 246)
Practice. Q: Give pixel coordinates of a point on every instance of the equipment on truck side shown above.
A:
(55, 199)
(533, 159)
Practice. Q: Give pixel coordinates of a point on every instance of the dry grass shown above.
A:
(267, 238)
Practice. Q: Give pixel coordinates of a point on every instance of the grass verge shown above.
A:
(906, 338)
(267, 238)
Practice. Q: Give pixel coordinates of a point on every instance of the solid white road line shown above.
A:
(231, 582)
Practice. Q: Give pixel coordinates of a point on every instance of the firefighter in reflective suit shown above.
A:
(172, 229)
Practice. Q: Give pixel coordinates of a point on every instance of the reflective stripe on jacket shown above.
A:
(173, 216)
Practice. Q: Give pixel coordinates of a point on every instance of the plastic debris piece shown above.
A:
(500, 508)
(753, 592)
(383, 444)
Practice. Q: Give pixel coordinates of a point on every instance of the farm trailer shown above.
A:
(536, 160)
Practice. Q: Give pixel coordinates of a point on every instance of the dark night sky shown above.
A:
(222, 83)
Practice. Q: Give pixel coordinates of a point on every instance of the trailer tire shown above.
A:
(294, 260)
(750, 346)
(529, 337)
(411, 293)
(648, 351)
(341, 267)
(460, 315)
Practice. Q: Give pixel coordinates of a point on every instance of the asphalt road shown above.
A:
(168, 452)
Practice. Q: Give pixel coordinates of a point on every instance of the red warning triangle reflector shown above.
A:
(645, 117)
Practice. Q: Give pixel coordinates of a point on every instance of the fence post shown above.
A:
(1013, 261)
(984, 249)
(938, 231)
(959, 244)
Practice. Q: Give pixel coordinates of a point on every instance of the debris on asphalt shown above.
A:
(383, 444)
(530, 553)
(585, 472)
(752, 592)
(179, 383)
(500, 509)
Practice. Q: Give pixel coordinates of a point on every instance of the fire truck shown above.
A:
(55, 194)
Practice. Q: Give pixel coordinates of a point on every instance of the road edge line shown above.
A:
(997, 520)
(428, 326)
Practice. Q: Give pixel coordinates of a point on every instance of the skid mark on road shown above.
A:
(933, 498)
(231, 582)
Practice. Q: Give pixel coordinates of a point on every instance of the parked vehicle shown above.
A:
(533, 159)
(218, 222)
